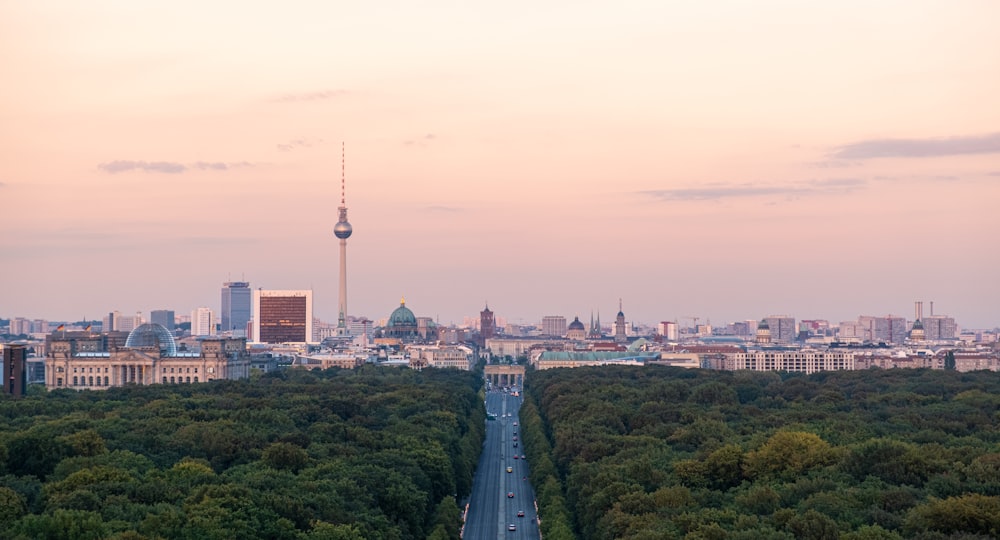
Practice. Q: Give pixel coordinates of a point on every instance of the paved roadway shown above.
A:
(490, 510)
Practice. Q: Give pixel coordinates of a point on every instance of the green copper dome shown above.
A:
(402, 316)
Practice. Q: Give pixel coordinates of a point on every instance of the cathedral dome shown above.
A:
(402, 316)
(576, 324)
(152, 335)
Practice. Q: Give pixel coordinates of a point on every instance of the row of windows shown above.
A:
(180, 370)
(84, 381)
(88, 370)
(91, 381)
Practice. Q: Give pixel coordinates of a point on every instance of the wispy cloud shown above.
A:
(917, 148)
(420, 141)
(739, 191)
(122, 165)
(309, 96)
(993, 173)
(298, 143)
(166, 167)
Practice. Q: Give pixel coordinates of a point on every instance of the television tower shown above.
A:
(342, 230)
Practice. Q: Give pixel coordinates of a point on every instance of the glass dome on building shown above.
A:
(153, 335)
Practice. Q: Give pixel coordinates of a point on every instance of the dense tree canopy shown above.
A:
(657, 452)
(372, 453)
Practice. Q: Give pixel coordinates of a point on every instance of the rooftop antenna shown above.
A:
(343, 173)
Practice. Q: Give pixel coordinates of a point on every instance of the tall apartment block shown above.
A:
(15, 369)
(554, 325)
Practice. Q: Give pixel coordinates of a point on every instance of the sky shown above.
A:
(724, 160)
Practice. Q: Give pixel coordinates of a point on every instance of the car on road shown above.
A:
(515, 456)
(515, 423)
(520, 513)
(523, 456)
(515, 445)
(510, 494)
(510, 469)
(511, 527)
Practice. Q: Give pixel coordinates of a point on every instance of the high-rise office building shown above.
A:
(554, 325)
(940, 327)
(237, 307)
(202, 322)
(282, 316)
(163, 317)
(782, 328)
(342, 230)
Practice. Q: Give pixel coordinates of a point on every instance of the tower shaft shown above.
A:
(342, 307)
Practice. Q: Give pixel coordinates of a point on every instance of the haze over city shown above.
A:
(723, 160)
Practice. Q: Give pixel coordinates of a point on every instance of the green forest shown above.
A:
(372, 453)
(658, 452)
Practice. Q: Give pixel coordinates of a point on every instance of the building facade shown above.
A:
(282, 316)
(782, 328)
(554, 325)
(237, 308)
(163, 317)
(801, 361)
(202, 322)
(15, 369)
(150, 356)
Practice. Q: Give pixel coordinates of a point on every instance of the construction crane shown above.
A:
(694, 323)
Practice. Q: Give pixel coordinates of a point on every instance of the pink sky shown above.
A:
(727, 160)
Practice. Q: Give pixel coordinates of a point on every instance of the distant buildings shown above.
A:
(782, 328)
(576, 331)
(237, 308)
(14, 374)
(116, 322)
(282, 316)
(202, 322)
(668, 330)
(487, 325)
(554, 325)
(163, 317)
(620, 336)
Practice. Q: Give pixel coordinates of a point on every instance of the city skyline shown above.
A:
(727, 161)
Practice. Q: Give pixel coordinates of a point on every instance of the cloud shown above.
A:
(738, 191)
(309, 96)
(298, 143)
(917, 148)
(203, 165)
(420, 141)
(166, 167)
(118, 166)
(993, 173)
(2, 185)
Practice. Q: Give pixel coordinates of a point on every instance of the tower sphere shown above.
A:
(342, 230)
